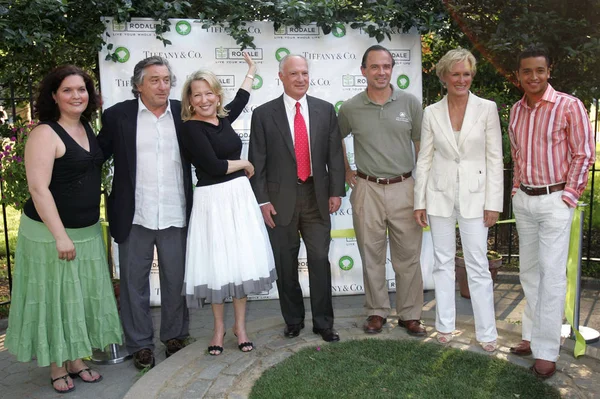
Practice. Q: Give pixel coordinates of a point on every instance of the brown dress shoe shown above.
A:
(374, 324)
(173, 346)
(144, 358)
(549, 372)
(413, 327)
(523, 349)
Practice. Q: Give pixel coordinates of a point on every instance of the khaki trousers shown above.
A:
(375, 209)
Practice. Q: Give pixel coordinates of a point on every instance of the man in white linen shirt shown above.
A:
(149, 205)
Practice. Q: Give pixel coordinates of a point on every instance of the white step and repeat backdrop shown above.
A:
(334, 66)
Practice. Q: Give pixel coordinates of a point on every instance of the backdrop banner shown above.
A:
(335, 76)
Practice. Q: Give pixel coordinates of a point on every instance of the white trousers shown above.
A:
(544, 226)
(473, 235)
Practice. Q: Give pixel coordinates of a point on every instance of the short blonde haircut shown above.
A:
(453, 57)
(186, 93)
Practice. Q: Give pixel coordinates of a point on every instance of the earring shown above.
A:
(191, 109)
(218, 103)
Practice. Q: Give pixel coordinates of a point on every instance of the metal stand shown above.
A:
(589, 334)
(112, 354)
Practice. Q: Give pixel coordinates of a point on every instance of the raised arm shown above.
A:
(236, 106)
(249, 78)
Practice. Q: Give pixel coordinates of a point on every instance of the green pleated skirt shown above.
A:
(60, 310)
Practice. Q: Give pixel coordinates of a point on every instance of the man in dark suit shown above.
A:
(295, 147)
(149, 205)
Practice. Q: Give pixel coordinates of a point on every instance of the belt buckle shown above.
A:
(530, 189)
(385, 181)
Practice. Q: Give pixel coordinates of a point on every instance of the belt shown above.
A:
(542, 190)
(384, 180)
(308, 180)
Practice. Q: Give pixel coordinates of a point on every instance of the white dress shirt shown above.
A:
(159, 191)
(290, 111)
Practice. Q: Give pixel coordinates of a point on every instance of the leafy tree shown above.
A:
(37, 35)
(570, 31)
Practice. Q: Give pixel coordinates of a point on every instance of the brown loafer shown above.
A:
(543, 376)
(144, 358)
(172, 346)
(413, 327)
(374, 324)
(523, 349)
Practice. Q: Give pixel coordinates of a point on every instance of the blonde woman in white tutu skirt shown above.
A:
(228, 249)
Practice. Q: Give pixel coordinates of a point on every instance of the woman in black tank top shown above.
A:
(62, 304)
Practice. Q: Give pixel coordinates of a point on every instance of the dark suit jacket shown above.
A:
(118, 137)
(272, 153)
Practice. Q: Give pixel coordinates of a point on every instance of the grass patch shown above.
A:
(392, 369)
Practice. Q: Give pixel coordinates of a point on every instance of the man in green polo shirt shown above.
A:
(385, 123)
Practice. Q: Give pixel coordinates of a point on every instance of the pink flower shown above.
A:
(8, 148)
(13, 138)
(318, 348)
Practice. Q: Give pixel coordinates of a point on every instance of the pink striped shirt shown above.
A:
(552, 143)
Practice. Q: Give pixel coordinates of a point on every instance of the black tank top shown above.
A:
(75, 182)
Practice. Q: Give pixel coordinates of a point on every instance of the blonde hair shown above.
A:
(453, 57)
(186, 92)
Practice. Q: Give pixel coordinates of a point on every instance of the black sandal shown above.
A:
(64, 377)
(244, 345)
(215, 348)
(87, 369)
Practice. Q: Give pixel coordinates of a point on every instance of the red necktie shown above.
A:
(301, 145)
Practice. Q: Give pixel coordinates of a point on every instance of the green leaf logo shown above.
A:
(257, 83)
(281, 52)
(337, 106)
(338, 30)
(346, 263)
(403, 82)
(122, 54)
(183, 28)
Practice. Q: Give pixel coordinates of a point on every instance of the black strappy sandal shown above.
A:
(64, 377)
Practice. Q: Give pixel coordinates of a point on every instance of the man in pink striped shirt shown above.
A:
(552, 146)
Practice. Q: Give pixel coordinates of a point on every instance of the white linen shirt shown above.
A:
(159, 191)
(290, 111)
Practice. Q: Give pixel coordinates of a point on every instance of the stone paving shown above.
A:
(192, 373)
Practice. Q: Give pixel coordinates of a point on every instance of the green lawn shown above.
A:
(397, 369)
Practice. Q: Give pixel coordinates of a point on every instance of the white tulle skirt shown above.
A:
(228, 248)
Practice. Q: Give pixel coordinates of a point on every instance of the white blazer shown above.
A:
(477, 158)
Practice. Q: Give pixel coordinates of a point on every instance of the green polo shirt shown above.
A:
(383, 134)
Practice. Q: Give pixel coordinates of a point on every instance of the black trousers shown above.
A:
(285, 241)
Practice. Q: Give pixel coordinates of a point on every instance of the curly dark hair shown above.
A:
(45, 107)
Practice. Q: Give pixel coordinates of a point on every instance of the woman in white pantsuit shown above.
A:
(459, 178)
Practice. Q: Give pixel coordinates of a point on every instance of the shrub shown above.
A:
(12, 154)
